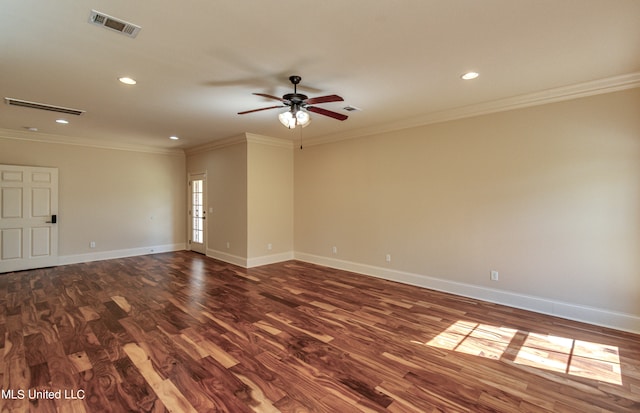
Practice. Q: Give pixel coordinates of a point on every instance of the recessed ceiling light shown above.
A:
(470, 75)
(173, 138)
(62, 121)
(127, 80)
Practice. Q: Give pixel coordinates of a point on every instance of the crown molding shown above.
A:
(269, 140)
(242, 138)
(86, 142)
(576, 91)
(217, 144)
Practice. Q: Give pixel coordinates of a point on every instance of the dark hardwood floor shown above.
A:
(181, 332)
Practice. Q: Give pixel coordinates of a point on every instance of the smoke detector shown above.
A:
(110, 22)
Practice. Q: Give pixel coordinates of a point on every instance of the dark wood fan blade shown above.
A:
(264, 95)
(258, 110)
(325, 112)
(324, 99)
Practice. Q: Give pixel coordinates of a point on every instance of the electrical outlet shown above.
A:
(388, 258)
(334, 250)
(494, 275)
(92, 244)
(228, 245)
(269, 246)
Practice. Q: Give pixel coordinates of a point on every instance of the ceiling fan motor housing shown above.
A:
(295, 98)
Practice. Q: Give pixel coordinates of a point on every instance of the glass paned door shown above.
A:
(197, 213)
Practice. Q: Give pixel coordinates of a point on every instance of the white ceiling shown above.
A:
(197, 62)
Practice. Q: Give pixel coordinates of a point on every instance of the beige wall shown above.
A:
(128, 202)
(270, 197)
(549, 196)
(226, 168)
(250, 188)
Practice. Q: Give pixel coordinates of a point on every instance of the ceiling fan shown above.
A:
(299, 105)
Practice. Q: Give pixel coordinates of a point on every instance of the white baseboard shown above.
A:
(226, 257)
(108, 255)
(591, 315)
(249, 262)
(269, 259)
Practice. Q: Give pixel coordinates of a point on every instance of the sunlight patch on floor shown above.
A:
(580, 358)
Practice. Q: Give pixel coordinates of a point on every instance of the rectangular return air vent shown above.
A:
(42, 106)
(121, 26)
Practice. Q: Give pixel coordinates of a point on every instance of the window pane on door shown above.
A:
(197, 212)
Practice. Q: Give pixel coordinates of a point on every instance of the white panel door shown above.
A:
(28, 217)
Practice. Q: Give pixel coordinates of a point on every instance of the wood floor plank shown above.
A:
(181, 332)
(134, 391)
(266, 387)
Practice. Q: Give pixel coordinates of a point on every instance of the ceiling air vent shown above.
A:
(121, 26)
(42, 106)
(351, 108)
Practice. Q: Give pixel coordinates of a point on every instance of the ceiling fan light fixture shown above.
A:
(291, 119)
(287, 119)
(303, 118)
